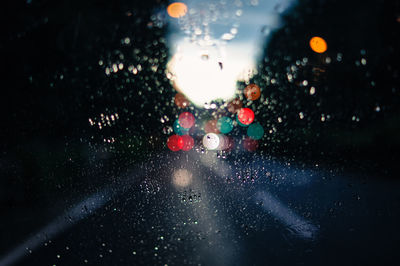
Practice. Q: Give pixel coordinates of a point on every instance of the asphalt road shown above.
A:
(200, 208)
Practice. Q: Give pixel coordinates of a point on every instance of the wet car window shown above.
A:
(215, 132)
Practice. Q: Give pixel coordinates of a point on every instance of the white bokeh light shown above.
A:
(182, 178)
(211, 141)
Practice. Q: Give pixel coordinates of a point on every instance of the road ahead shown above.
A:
(201, 208)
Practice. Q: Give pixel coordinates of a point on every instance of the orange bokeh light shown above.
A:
(252, 92)
(211, 126)
(177, 10)
(181, 101)
(318, 45)
(235, 105)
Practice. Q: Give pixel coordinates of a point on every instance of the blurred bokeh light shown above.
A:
(177, 9)
(318, 44)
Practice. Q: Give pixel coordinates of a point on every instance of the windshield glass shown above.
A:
(215, 132)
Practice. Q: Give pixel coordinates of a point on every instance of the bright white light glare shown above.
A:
(218, 44)
(207, 77)
(211, 141)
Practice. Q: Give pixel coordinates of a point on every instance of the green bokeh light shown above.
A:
(225, 125)
(178, 129)
(255, 131)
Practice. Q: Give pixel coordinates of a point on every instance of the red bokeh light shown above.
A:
(175, 143)
(188, 142)
(250, 144)
(227, 143)
(186, 120)
(246, 116)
